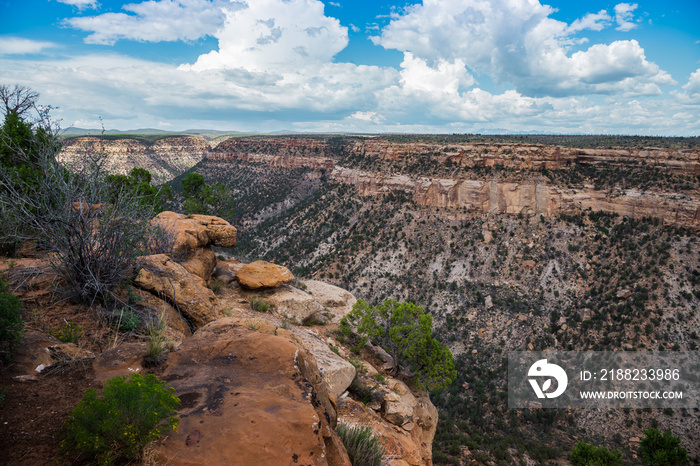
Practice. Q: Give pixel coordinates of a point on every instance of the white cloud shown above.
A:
(10, 45)
(155, 21)
(274, 69)
(624, 15)
(593, 21)
(81, 4)
(691, 90)
(515, 41)
(444, 79)
(275, 35)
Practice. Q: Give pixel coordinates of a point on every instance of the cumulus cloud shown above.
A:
(155, 21)
(517, 42)
(274, 68)
(10, 45)
(274, 35)
(624, 15)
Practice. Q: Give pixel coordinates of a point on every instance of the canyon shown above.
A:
(510, 246)
(518, 188)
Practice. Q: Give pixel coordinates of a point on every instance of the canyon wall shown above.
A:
(486, 194)
(495, 197)
(165, 158)
(276, 152)
(388, 166)
(530, 156)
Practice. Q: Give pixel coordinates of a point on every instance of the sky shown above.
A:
(436, 66)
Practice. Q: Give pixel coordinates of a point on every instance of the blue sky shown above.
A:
(437, 66)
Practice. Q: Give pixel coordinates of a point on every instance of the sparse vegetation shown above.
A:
(115, 427)
(405, 331)
(260, 304)
(662, 449)
(70, 332)
(364, 448)
(586, 454)
(11, 330)
(93, 239)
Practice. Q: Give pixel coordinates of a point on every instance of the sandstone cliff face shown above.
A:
(528, 156)
(377, 167)
(494, 197)
(276, 152)
(166, 158)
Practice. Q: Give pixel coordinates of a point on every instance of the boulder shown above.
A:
(196, 231)
(336, 372)
(248, 397)
(262, 274)
(201, 264)
(337, 301)
(288, 302)
(396, 411)
(153, 308)
(160, 275)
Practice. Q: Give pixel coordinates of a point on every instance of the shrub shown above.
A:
(662, 449)
(587, 455)
(157, 345)
(405, 331)
(259, 304)
(11, 330)
(131, 413)
(93, 238)
(68, 333)
(126, 320)
(364, 449)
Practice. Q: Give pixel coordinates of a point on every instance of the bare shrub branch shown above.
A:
(93, 239)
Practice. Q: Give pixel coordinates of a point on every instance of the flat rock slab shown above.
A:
(247, 398)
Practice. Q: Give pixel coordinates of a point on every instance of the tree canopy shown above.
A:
(201, 198)
(405, 331)
(662, 449)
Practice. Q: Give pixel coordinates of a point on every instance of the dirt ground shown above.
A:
(33, 412)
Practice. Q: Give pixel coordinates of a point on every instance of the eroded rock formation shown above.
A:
(165, 159)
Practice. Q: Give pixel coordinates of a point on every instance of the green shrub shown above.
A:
(587, 455)
(364, 449)
(11, 330)
(259, 304)
(126, 321)
(131, 413)
(662, 449)
(68, 333)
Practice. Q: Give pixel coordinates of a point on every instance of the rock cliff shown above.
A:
(165, 158)
(497, 197)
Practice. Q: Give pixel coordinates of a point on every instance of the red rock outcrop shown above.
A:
(249, 397)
